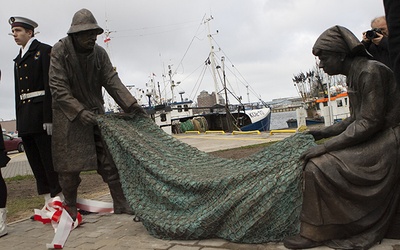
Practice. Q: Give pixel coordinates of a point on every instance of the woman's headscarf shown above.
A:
(340, 40)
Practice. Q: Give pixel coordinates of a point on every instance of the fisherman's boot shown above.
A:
(70, 203)
(70, 183)
(3, 224)
(121, 205)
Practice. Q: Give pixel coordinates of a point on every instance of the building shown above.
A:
(9, 127)
(204, 99)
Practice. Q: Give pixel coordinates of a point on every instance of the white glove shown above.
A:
(48, 127)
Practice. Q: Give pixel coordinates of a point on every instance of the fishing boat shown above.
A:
(324, 97)
(221, 113)
(177, 116)
(330, 109)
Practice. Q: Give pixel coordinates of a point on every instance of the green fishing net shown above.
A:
(180, 192)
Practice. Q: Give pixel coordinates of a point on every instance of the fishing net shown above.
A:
(180, 192)
(186, 126)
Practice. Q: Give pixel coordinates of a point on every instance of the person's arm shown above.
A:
(45, 60)
(370, 112)
(59, 84)
(332, 130)
(47, 110)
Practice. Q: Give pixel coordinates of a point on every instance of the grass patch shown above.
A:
(19, 178)
(18, 208)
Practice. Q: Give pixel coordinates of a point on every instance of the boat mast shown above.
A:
(212, 59)
(228, 113)
(172, 83)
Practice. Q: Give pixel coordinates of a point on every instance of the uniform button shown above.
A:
(26, 77)
(25, 65)
(27, 90)
(23, 102)
(20, 78)
(22, 91)
(29, 100)
(19, 66)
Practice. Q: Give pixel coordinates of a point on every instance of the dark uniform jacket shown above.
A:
(76, 88)
(31, 75)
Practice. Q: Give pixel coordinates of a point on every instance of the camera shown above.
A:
(371, 34)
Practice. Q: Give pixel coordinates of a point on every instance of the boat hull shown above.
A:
(262, 123)
(256, 119)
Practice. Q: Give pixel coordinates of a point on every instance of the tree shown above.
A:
(314, 84)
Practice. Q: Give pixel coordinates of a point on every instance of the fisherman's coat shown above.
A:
(75, 89)
(31, 74)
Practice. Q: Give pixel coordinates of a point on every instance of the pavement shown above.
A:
(110, 231)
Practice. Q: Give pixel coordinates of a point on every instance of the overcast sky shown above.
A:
(266, 41)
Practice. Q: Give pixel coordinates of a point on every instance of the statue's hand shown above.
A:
(136, 109)
(317, 134)
(87, 118)
(311, 153)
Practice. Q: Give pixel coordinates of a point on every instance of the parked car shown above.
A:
(13, 143)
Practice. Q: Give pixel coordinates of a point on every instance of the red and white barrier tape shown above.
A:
(54, 212)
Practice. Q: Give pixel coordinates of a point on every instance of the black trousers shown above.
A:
(392, 10)
(39, 154)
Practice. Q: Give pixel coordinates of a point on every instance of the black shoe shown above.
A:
(299, 242)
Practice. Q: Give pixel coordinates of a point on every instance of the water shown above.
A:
(278, 120)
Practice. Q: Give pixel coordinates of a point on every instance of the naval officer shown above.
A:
(33, 103)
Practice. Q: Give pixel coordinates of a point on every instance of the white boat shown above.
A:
(329, 109)
(334, 108)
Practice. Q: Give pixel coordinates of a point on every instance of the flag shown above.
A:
(107, 39)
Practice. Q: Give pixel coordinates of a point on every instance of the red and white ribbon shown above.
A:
(54, 212)
(95, 206)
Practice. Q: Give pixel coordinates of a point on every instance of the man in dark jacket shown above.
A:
(33, 103)
(79, 69)
(376, 40)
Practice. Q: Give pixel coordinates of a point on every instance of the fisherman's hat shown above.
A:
(84, 20)
(17, 21)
